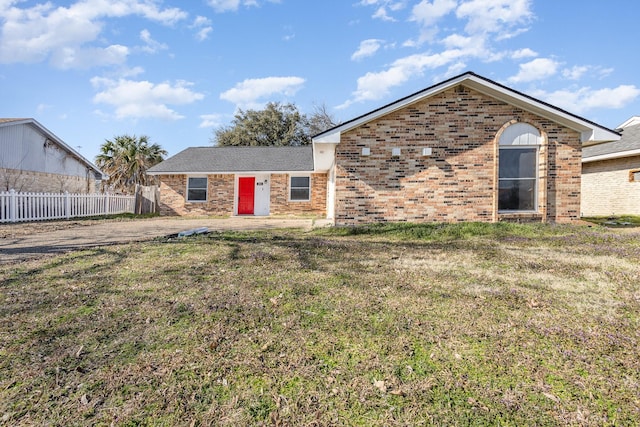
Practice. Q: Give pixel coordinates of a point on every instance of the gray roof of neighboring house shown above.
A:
(237, 159)
(629, 142)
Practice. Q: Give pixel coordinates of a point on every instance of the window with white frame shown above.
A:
(300, 188)
(197, 189)
(518, 169)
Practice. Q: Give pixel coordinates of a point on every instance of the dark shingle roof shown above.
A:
(237, 159)
(630, 140)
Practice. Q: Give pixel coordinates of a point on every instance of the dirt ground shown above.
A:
(20, 242)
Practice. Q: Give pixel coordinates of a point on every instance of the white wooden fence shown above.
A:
(21, 207)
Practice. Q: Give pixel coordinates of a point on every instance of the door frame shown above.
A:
(262, 200)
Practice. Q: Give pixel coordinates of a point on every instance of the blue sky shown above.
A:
(175, 70)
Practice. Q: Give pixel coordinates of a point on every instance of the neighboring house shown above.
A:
(466, 149)
(611, 174)
(32, 159)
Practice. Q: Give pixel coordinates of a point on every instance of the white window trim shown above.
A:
(291, 176)
(206, 198)
(536, 183)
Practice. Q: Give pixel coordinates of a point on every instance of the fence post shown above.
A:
(107, 204)
(13, 205)
(67, 205)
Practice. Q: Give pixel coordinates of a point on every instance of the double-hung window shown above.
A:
(300, 188)
(518, 169)
(197, 189)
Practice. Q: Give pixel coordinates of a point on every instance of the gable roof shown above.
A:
(205, 160)
(5, 122)
(589, 130)
(628, 145)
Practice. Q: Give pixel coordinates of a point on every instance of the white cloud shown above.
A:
(203, 27)
(41, 108)
(524, 53)
(428, 13)
(224, 5)
(382, 14)
(575, 72)
(538, 69)
(367, 48)
(64, 34)
(247, 93)
(374, 86)
(73, 57)
(382, 8)
(212, 120)
(151, 45)
(143, 99)
(493, 16)
(584, 99)
(485, 21)
(221, 6)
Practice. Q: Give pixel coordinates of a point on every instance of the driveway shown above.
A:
(20, 247)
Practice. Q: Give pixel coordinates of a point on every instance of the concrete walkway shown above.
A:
(24, 247)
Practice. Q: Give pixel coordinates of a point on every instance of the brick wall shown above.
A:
(281, 205)
(221, 193)
(173, 190)
(458, 182)
(39, 182)
(606, 189)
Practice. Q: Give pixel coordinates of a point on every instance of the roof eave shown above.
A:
(589, 131)
(228, 172)
(57, 140)
(612, 156)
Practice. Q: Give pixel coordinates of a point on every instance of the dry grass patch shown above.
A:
(379, 326)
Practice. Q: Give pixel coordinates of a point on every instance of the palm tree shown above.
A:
(126, 160)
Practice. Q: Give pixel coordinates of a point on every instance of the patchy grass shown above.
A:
(392, 324)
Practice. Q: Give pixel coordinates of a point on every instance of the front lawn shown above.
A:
(467, 324)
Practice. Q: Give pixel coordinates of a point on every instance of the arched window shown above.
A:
(518, 168)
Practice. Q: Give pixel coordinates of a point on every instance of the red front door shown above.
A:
(246, 195)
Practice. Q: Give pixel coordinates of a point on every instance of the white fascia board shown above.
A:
(334, 136)
(596, 135)
(635, 120)
(330, 138)
(612, 156)
(588, 131)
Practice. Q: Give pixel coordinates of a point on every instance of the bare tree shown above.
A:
(321, 120)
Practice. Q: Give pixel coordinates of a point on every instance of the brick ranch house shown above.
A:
(466, 149)
(611, 174)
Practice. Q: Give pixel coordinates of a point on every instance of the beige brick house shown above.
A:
(611, 174)
(466, 149)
